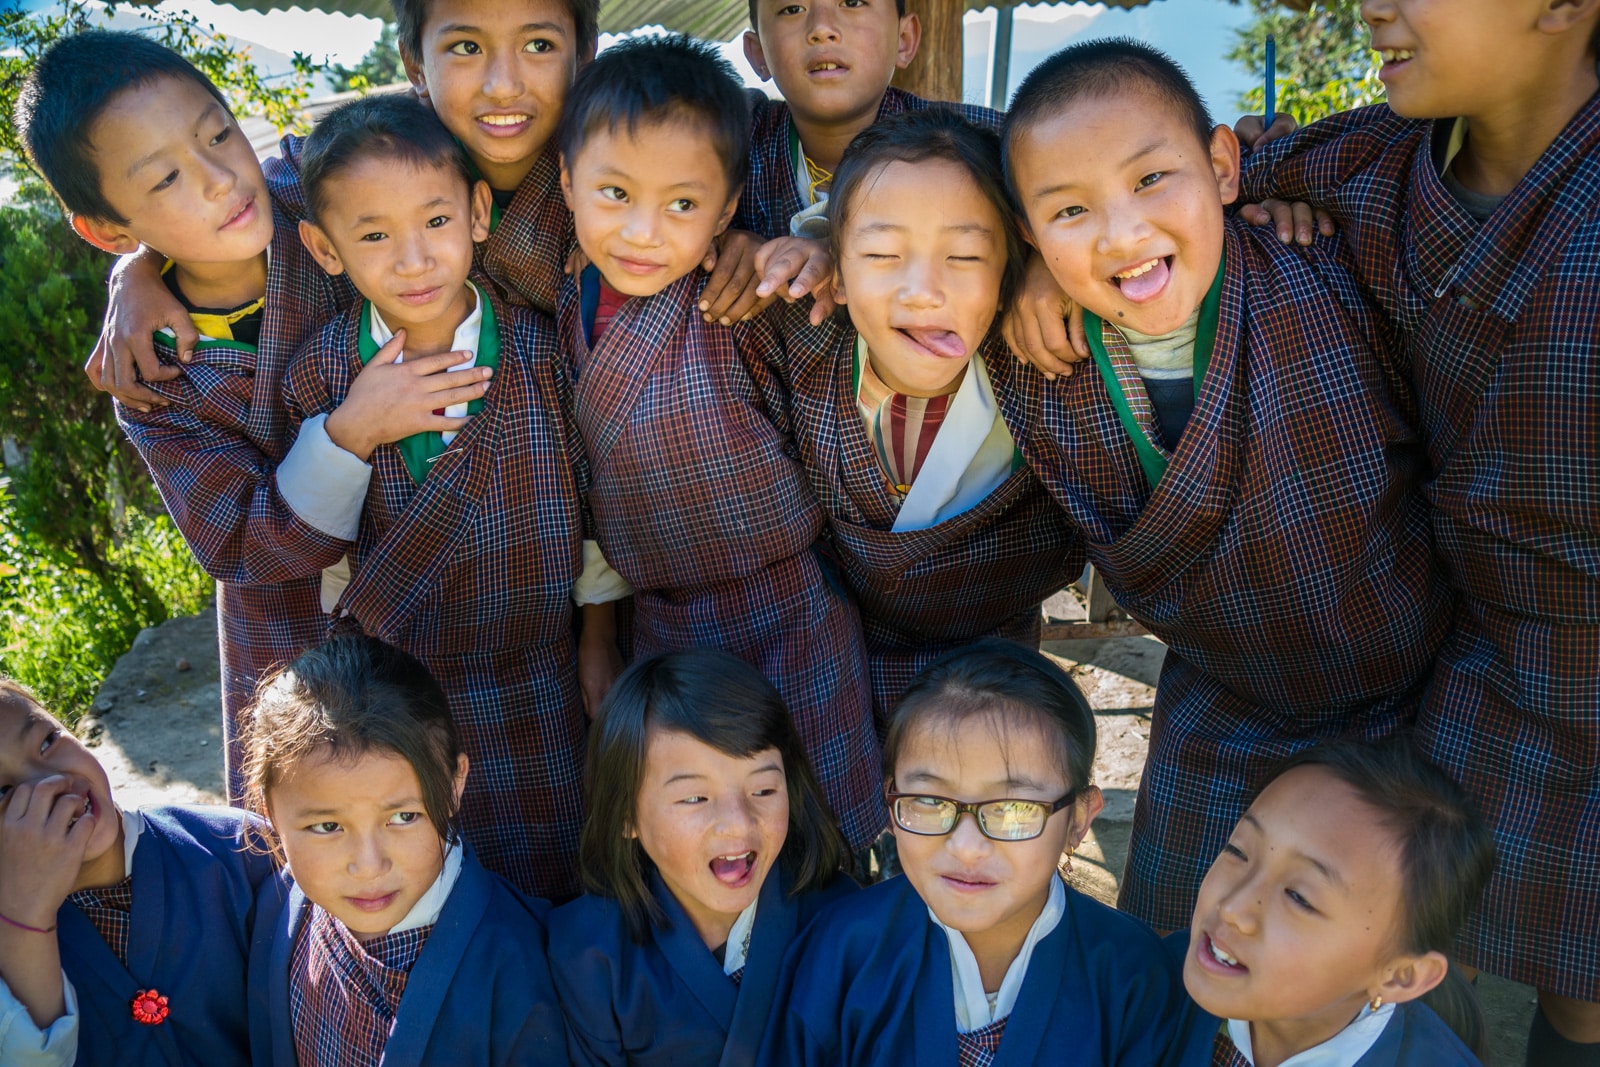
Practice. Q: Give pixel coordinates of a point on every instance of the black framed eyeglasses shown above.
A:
(1006, 819)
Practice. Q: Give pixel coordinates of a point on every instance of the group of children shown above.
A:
(491, 382)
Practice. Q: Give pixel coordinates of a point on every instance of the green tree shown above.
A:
(1324, 64)
(379, 67)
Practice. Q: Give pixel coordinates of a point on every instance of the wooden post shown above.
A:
(935, 74)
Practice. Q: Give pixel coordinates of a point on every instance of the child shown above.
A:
(708, 848)
(1244, 459)
(942, 533)
(1329, 914)
(383, 940)
(141, 148)
(123, 934)
(697, 500)
(980, 954)
(469, 545)
(1470, 205)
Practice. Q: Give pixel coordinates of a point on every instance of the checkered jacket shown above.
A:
(344, 994)
(700, 504)
(1501, 321)
(528, 247)
(770, 197)
(472, 573)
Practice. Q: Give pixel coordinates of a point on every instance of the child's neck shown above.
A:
(1503, 145)
(439, 333)
(506, 177)
(1272, 1042)
(110, 867)
(998, 947)
(824, 142)
(222, 285)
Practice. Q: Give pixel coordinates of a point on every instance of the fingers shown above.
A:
(1283, 124)
(725, 288)
(1078, 333)
(390, 351)
(1249, 130)
(778, 268)
(813, 277)
(1325, 223)
(823, 306)
(462, 394)
(1304, 224)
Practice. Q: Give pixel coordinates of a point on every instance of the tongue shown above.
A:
(1147, 284)
(730, 870)
(940, 342)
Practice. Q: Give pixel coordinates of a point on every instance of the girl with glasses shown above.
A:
(981, 954)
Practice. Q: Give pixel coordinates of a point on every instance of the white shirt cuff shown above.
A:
(23, 1044)
(598, 584)
(324, 485)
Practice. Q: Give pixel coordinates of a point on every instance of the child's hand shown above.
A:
(1252, 134)
(390, 401)
(1043, 326)
(1293, 222)
(791, 267)
(42, 847)
(139, 304)
(730, 293)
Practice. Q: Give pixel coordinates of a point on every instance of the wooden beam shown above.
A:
(935, 73)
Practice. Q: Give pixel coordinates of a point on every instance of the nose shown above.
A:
(503, 81)
(965, 841)
(218, 176)
(367, 858)
(922, 284)
(822, 27)
(416, 255)
(735, 817)
(641, 227)
(1240, 907)
(1122, 230)
(1374, 12)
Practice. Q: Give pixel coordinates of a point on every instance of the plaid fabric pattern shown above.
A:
(903, 428)
(472, 573)
(980, 1047)
(1501, 322)
(737, 977)
(1140, 405)
(526, 252)
(1286, 553)
(921, 593)
(1225, 1054)
(770, 195)
(109, 910)
(344, 994)
(699, 503)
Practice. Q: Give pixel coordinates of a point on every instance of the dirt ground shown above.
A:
(157, 727)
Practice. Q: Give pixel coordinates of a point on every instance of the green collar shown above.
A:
(1151, 459)
(421, 449)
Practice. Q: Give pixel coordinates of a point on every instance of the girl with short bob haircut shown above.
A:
(383, 934)
(981, 953)
(1326, 924)
(709, 847)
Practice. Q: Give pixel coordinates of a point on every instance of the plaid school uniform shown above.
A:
(1502, 321)
(344, 994)
(109, 911)
(771, 193)
(530, 240)
(471, 571)
(1285, 556)
(699, 503)
(212, 453)
(980, 1047)
(984, 572)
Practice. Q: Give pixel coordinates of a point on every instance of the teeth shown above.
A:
(1143, 268)
(826, 66)
(1223, 956)
(738, 856)
(1395, 55)
(503, 120)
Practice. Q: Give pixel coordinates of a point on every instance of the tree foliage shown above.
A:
(379, 67)
(1324, 63)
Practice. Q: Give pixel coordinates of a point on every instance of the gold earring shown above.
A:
(1376, 1002)
(1068, 868)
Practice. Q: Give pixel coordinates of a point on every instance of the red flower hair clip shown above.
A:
(150, 1007)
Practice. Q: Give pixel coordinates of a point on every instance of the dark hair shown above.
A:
(411, 17)
(939, 133)
(1100, 69)
(998, 676)
(722, 701)
(390, 126)
(659, 80)
(755, 6)
(1446, 853)
(355, 695)
(70, 86)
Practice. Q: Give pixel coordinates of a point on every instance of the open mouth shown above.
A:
(1209, 951)
(946, 344)
(828, 66)
(242, 217)
(503, 125)
(734, 871)
(89, 808)
(1145, 281)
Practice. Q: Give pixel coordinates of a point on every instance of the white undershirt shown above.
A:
(739, 939)
(1343, 1049)
(428, 906)
(1168, 356)
(976, 1008)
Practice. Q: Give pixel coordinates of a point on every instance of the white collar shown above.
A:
(132, 827)
(428, 906)
(739, 937)
(1169, 355)
(465, 340)
(975, 1009)
(1343, 1049)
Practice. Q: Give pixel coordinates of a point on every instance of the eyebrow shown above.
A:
(1140, 153)
(1327, 872)
(28, 722)
(896, 227)
(686, 776)
(1062, 187)
(526, 27)
(617, 172)
(367, 220)
(405, 804)
(145, 160)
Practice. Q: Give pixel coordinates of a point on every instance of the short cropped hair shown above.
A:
(660, 80)
(1103, 68)
(70, 86)
(410, 17)
(394, 127)
(942, 133)
(755, 7)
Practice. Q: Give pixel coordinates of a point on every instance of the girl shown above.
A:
(1330, 913)
(708, 848)
(383, 939)
(942, 533)
(123, 934)
(981, 954)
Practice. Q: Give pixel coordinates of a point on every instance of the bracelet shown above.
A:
(24, 926)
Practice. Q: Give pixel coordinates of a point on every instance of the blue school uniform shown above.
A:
(870, 984)
(667, 1001)
(478, 994)
(194, 884)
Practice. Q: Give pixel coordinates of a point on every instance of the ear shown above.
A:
(1090, 803)
(839, 296)
(1025, 231)
(106, 236)
(566, 182)
(1414, 976)
(1559, 16)
(321, 249)
(482, 210)
(415, 75)
(910, 36)
(460, 782)
(757, 58)
(1225, 162)
(727, 214)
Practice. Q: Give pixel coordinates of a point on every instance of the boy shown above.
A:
(141, 149)
(697, 499)
(123, 934)
(1470, 205)
(469, 544)
(1243, 464)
